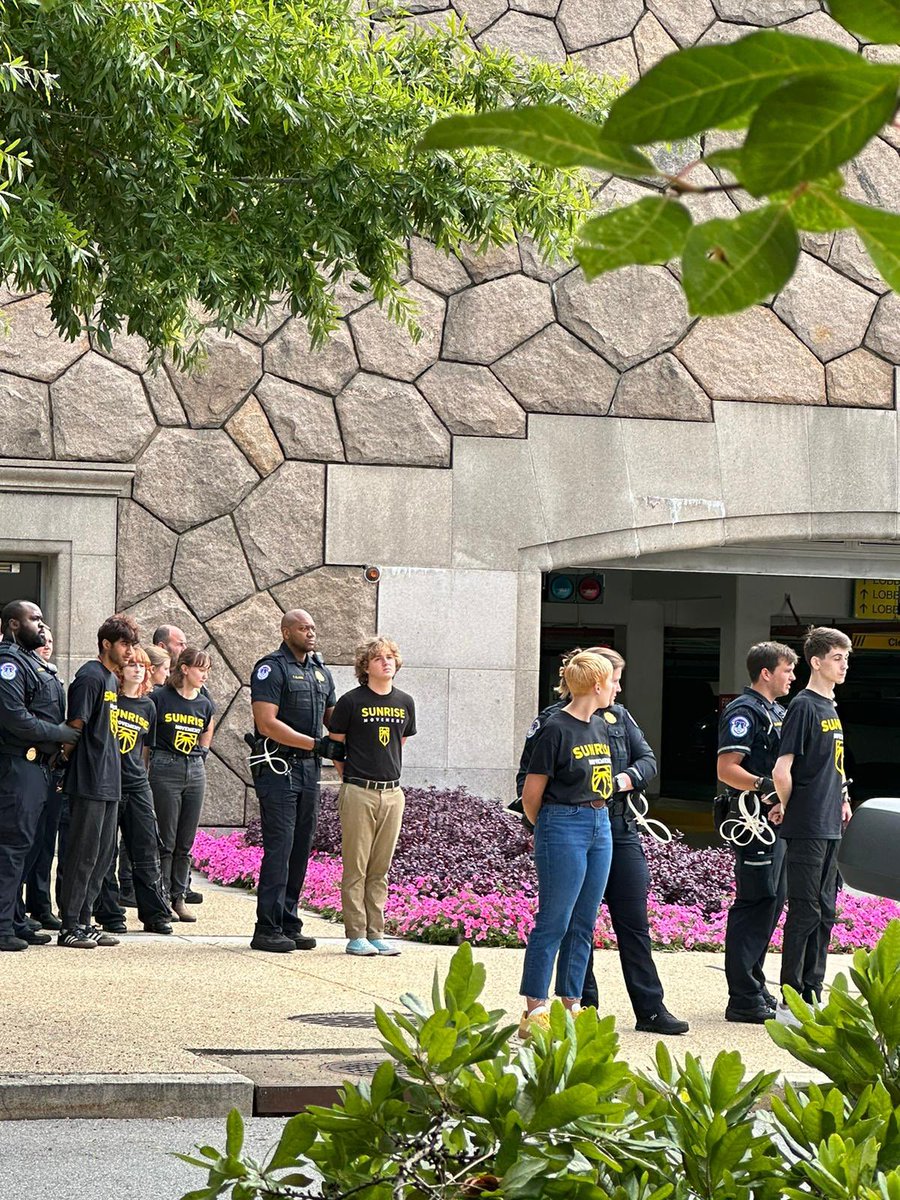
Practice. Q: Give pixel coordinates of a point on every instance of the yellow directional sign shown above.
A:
(876, 641)
(876, 599)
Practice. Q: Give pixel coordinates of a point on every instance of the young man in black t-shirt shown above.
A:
(812, 811)
(373, 720)
(93, 783)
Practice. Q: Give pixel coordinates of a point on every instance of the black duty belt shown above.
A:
(31, 753)
(379, 785)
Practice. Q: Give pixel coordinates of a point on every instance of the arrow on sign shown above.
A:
(864, 608)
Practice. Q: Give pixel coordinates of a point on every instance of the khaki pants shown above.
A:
(370, 826)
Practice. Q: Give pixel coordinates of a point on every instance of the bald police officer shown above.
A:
(31, 732)
(292, 694)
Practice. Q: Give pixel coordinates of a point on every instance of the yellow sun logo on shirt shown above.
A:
(384, 734)
(185, 741)
(601, 780)
(127, 739)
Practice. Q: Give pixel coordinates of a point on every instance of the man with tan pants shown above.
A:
(373, 720)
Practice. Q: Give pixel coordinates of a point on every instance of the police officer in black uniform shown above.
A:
(292, 693)
(634, 766)
(31, 732)
(37, 900)
(749, 737)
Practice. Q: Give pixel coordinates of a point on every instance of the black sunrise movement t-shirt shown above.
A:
(180, 723)
(93, 770)
(576, 756)
(136, 725)
(375, 726)
(812, 732)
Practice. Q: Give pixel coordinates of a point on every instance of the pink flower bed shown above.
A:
(493, 919)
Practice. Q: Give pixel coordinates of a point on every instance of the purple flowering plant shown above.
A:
(463, 872)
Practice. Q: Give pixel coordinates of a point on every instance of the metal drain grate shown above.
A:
(354, 1067)
(336, 1020)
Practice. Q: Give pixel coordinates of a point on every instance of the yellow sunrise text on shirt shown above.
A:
(184, 719)
(590, 748)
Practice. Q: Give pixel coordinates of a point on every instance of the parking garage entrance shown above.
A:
(684, 633)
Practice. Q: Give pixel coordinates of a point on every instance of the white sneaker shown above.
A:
(784, 1016)
(361, 948)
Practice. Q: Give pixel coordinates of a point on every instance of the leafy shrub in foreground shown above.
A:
(462, 1109)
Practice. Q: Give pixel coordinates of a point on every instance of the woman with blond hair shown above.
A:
(184, 730)
(567, 788)
(160, 665)
(628, 886)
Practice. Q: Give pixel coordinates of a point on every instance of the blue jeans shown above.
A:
(572, 854)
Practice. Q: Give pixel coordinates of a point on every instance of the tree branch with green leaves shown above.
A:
(164, 160)
(799, 109)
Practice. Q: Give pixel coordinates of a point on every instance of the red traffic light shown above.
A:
(590, 588)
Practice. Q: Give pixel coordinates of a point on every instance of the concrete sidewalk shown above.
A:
(189, 1023)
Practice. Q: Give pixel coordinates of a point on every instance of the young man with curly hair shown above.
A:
(373, 720)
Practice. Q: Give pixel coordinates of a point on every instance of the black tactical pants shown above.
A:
(626, 899)
(812, 875)
(761, 885)
(38, 899)
(288, 812)
(23, 794)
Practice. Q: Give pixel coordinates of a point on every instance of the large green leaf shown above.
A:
(880, 234)
(874, 20)
(296, 1138)
(729, 265)
(562, 1107)
(818, 209)
(544, 133)
(649, 231)
(705, 87)
(807, 128)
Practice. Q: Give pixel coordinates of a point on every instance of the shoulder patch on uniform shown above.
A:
(8, 671)
(738, 727)
(533, 727)
(264, 671)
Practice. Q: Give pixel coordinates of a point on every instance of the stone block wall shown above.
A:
(227, 525)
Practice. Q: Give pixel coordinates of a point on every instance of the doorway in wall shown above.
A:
(685, 628)
(21, 579)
